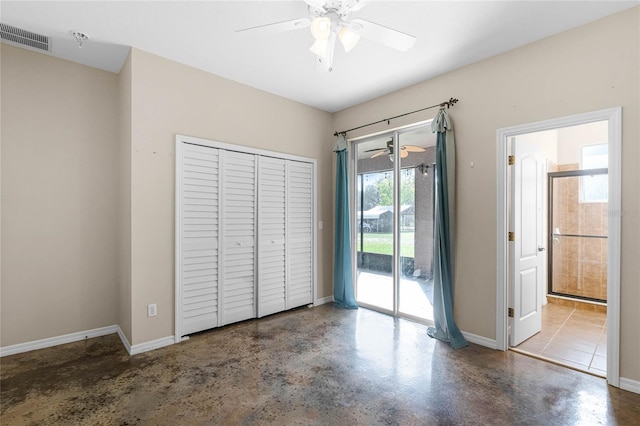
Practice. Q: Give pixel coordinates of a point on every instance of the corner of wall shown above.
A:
(124, 199)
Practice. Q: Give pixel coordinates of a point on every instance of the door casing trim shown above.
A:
(614, 118)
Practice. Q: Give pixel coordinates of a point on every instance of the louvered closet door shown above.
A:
(271, 235)
(199, 254)
(238, 202)
(299, 233)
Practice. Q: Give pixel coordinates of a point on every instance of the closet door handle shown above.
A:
(540, 248)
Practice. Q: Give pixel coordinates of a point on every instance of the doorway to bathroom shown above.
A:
(573, 288)
(561, 267)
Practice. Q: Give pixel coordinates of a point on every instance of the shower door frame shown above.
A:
(552, 235)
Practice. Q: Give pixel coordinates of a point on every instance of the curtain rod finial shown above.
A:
(450, 103)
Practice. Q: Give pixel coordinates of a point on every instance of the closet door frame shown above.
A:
(181, 140)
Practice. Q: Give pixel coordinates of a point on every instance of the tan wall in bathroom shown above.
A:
(571, 139)
(546, 141)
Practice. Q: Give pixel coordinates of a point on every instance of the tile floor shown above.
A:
(571, 336)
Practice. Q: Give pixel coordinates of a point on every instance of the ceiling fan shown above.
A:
(330, 20)
(404, 150)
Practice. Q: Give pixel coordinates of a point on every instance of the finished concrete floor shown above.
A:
(320, 365)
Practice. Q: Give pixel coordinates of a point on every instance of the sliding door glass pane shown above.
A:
(374, 224)
(417, 152)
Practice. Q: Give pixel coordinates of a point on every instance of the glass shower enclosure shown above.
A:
(578, 234)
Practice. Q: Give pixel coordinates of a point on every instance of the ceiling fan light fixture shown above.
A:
(331, 19)
(321, 28)
(348, 38)
(321, 48)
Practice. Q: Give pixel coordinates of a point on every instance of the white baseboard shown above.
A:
(124, 340)
(153, 344)
(58, 340)
(480, 340)
(87, 334)
(323, 300)
(630, 385)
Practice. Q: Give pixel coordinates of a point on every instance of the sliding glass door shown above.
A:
(394, 222)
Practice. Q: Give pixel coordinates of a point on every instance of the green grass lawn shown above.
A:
(383, 243)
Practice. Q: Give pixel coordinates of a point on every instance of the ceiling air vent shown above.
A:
(24, 38)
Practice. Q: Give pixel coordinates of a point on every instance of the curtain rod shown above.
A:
(451, 102)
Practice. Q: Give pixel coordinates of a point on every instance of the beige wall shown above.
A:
(124, 202)
(593, 67)
(59, 197)
(168, 99)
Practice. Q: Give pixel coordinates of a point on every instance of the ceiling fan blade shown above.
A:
(413, 148)
(375, 149)
(384, 35)
(404, 154)
(279, 27)
(355, 5)
(379, 154)
(319, 4)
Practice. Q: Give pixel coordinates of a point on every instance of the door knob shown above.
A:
(540, 248)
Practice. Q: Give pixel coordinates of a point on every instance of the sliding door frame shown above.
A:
(395, 134)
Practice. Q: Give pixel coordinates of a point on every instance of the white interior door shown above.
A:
(238, 233)
(525, 252)
(271, 235)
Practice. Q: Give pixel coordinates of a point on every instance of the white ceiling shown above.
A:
(450, 34)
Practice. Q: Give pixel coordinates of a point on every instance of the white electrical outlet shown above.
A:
(152, 310)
